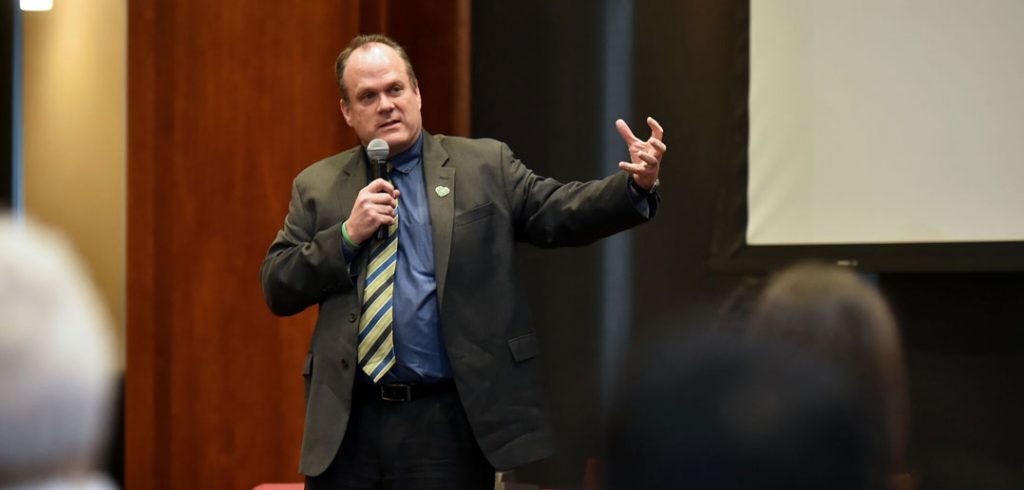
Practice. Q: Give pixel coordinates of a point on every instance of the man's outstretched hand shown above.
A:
(645, 156)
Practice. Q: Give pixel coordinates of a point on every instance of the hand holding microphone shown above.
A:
(374, 209)
(378, 151)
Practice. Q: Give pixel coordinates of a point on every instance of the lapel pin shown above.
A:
(442, 191)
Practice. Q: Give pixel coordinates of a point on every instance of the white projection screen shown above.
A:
(885, 122)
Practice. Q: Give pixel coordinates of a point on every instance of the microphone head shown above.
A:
(377, 150)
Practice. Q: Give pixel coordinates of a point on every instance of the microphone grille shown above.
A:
(377, 150)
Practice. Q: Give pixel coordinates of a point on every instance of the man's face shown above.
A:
(382, 102)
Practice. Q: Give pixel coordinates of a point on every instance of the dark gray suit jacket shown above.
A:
(494, 202)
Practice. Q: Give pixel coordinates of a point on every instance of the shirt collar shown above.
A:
(407, 160)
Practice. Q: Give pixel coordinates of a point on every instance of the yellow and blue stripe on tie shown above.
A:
(376, 338)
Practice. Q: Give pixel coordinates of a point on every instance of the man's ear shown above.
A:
(345, 112)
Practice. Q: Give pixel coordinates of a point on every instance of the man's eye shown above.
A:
(396, 90)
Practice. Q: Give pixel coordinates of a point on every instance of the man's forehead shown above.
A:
(373, 60)
(374, 50)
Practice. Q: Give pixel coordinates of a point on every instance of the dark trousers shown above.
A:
(422, 444)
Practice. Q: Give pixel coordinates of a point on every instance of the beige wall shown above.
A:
(74, 126)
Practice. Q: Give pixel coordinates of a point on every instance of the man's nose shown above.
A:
(386, 104)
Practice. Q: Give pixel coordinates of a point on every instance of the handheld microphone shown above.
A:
(378, 151)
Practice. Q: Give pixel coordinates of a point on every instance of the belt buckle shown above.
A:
(396, 392)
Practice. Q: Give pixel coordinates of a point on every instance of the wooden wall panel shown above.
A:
(228, 101)
(436, 35)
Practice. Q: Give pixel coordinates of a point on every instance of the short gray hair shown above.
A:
(56, 359)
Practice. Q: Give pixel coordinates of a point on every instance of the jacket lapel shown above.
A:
(440, 182)
(351, 180)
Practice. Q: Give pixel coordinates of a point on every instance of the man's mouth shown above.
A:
(389, 124)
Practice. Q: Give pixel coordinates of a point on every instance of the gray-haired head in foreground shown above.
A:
(55, 360)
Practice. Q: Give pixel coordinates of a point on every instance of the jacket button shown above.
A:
(351, 317)
(344, 363)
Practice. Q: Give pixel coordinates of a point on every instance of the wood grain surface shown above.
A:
(227, 102)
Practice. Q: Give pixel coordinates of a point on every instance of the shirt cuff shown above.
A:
(639, 201)
(348, 247)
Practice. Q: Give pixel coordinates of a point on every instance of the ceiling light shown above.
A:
(36, 5)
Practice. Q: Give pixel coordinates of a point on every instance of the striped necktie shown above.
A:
(376, 341)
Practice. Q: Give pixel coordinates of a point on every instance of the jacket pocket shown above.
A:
(307, 375)
(478, 213)
(524, 347)
(307, 367)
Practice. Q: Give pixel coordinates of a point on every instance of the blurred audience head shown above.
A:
(56, 366)
(724, 413)
(838, 316)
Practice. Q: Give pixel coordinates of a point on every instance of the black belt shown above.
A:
(400, 392)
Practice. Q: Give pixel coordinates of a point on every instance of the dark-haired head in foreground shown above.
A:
(724, 413)
(835, 314)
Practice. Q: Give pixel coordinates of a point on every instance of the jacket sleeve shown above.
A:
(548, 213)
(303, 265)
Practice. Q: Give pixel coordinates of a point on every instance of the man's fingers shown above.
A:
(627, 134)
(380, 185)
(658, 145)
(384, 210)
(371, 210)
(379, 198)
(656, 129)
(649, 159)
(377, 215)
(381, 191)
(634, 168)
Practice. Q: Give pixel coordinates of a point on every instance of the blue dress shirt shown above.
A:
(420, 355)
(419, 347)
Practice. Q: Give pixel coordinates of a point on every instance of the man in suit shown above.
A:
(422, 370)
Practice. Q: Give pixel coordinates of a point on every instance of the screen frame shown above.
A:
(730, 251)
